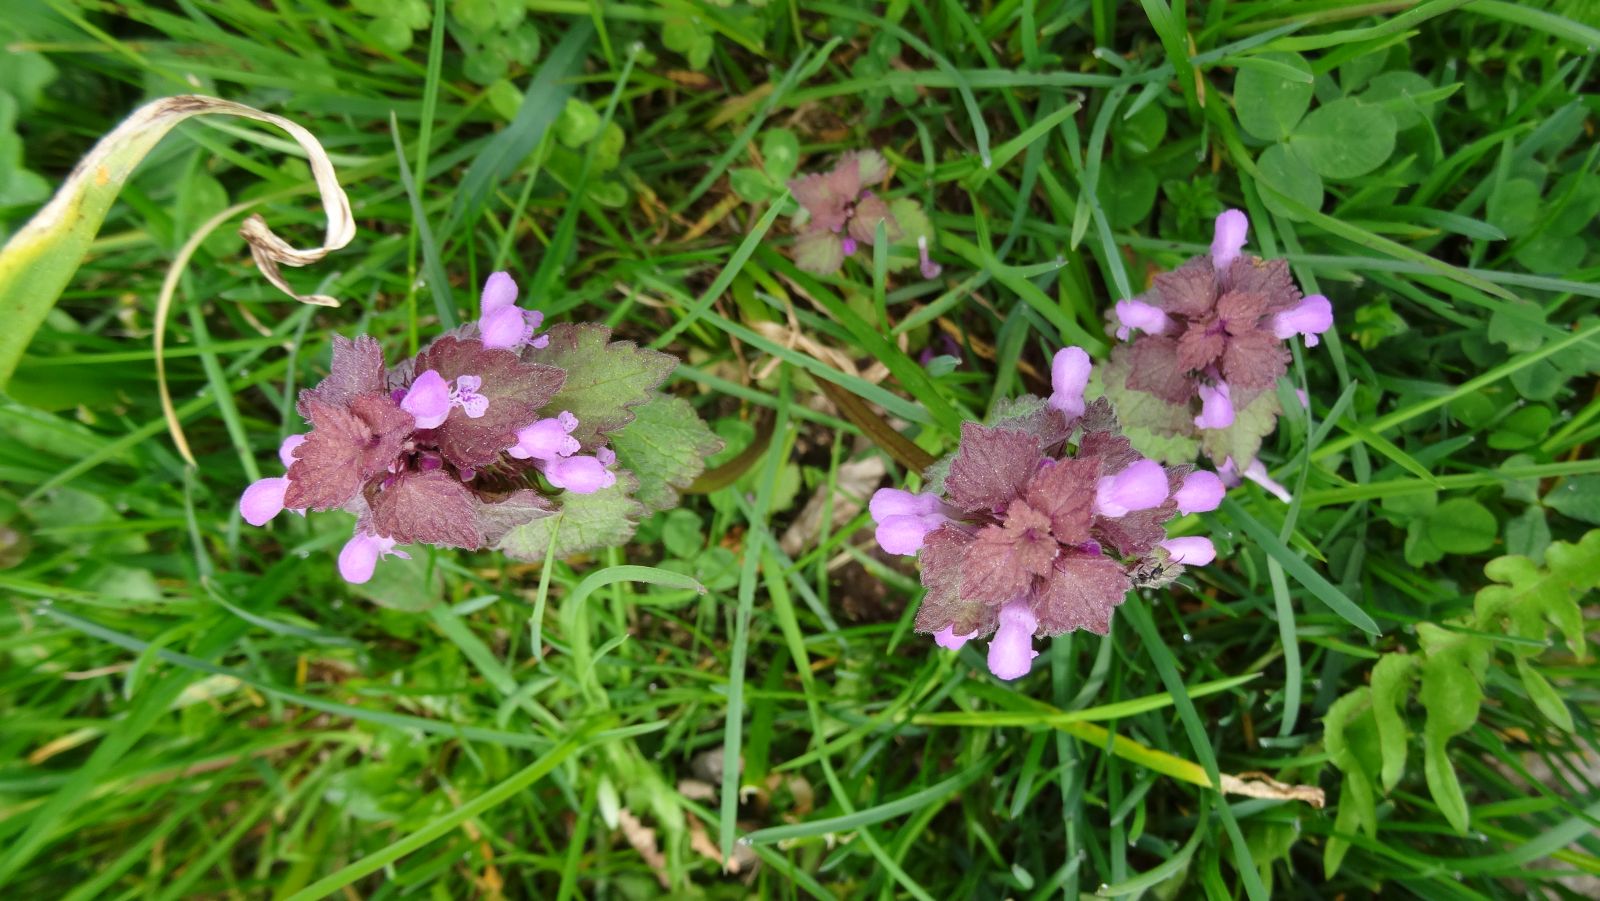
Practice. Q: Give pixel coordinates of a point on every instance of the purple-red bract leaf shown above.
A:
(1241, 311)
(1254, 360)
(1198, 347)
(494, 519)
(1188, 290)
(605, 379)
(516, 391)
(1064, 492)
(943, 553)
(1080, 593)
(991, 467)
(345, 448)
(1032, 415)
(357, 369)
(427, 508)
(1003, 561)
(1154, 368)
(1268, 278)
(1136, 533)
(1111, 448)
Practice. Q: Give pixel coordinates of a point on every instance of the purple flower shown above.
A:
(547, 439)
(286, 449)
(948, 639)
(428, 400)
(1142, 486)
(263, 500)
(930, 269)
(465, 395)
(841, 213)
(1136, 314)
(1256, 472)
(1011, 652)
(1216, 407)
(505, 325)
(1232, 231)
(1069, 376)
(1201, 492)
(1310, 318)
(361, 554)
(1190, 550)
(582, 474)
(904, 519)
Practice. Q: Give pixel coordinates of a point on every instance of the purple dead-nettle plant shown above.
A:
(1041, 523)
(841, 212)
(494, 436)
(1204, 349)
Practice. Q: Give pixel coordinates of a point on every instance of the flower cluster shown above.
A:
(841, 215)
(1206, 347)
(475, 438)
(1041, 523)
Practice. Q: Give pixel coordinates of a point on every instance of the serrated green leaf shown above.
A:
(1529, 597)
(586, 522)
(1269, 101)
(1157, 429)
(1443, 783)
(1345, 138)
(1391, 684)
(1544, 696)
(666, 446)
(606, 379)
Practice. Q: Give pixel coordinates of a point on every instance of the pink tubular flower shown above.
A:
(1011, 652)
(263, 500)
(547, 439)
(286, 449)
(580, 474)
(1310, 318)
(1256, 472)
(465, 395)
(1200, 492)
(948, 639)
(1233, 229)
(1136, 314)
(1191, 550)
(1141, 486)
(904, 519)
(499, 292)
(1069, 376)
(361, 554)
(428, 400)
(1216, 407)
(930, 269)
(504, 324)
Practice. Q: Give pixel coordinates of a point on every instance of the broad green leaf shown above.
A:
(1402, 93)
(1157, 429)
(1270, 101)
(586, 522)
(1391, 684)
(606, 379)
(780, 153)
(1128, 195)
(40, 259)
(1287, 172)
(1519, 325)
(1529, 597)
(1345, 138)
(682, 535)
(1411, 504)
(1577, 497)
(1443, 783)
(1579, 196)
(1528, 533)
(666, 446)
(1347, 729)
(400, 584)
(1524, 428)
(1514, 207)
(1462, 526)
(1545, 697)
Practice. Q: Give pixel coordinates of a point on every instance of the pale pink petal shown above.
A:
(263, 500)
(1069, 376)
(579, 474)
(361, 554)
(499, 292)
(1233, 229)
(1136, 314)
(1216, 407)
(1309, 318)
(428, 400)
(286, 449)
(1200, 492)
(505, 328)
(887, 502)
(1011, 651)
(547, 439)
(905, 533)
(948, 639)
(1142, 486)
(1192, 550)
(930, 269)
(1257, 472)
(606, 456)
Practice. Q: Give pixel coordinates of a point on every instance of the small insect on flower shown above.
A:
(1205, 345)
(465, 442)
(1042, 523)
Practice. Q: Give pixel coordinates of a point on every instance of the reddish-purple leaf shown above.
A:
(1003, 561)
(1198, 347)
(1241, 312)
(1033, 415)
(345, 448)
(1254, 360)
(943, 553)
(1080, 593)
(1111, 448)
(1137, 533)
(495, 518)
(1154, 369)
(991, 467)
(516, 391)
(357, 369)
(1064, 492)
(1188, 290)
(1269, 279)
(427, 508)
